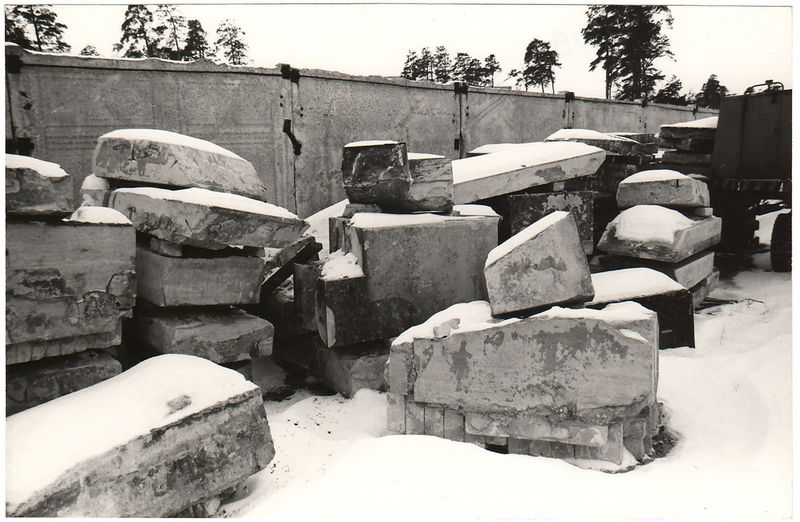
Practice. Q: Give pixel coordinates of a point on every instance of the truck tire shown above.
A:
(739, 224)
(780, 250)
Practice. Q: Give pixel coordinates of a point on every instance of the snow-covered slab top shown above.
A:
(169, 138)
(370, 143)
(703, 123)
(153, 394)
(318, 223)
(475, 210)
(98, 215)
(523, 236)
(210, 198)
(44, 168)
(424, 155)
(650, 223)
(92, 182)
(630, 283)
(585, 134)
(648, 176)
(341, 265)
(385, 220)
(496, 147)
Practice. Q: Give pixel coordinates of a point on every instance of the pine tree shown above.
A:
(671, 93)
(39, 27)
(230, 43)
(89, 50)
(491, 66)
(711, 94)
(138, 39)
(15, 29)
(603, 30)
(173, 31)
(411, 67)
(441, 65)
(539, 61)
(196, 44)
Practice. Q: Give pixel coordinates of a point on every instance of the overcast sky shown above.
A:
(742, 45)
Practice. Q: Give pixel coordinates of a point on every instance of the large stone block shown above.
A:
(36, 187)
(189, 281)
(702, 128)
(166, 158)
(702, 145)
(658, 233)
(686, 158)
(520, 167)
(34, 350)
(662, 187)
(194, 431)
(67, 278)
(206, 219)
(220, 335)
(655, 291)
(536, 427)
(431, 182)
(541, 266)
(569, 364)
(609, 142)
(33, 383)
(688, 272)
(348, 369)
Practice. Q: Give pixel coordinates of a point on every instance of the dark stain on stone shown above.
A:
(459, 365)
(495, 339)
(551, 263)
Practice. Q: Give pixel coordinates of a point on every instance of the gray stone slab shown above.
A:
(453, 425)
(395, 412)
(431, 182)
(34, 350)
(434, 421)
(662, 187)
(35, 187)
(612, 143)
(351, 368)
(376, 172)
(167, 158)
(536, 427)
(687, 273)
(686, 158)
(702, 128)
(542, 265)
(415, 418)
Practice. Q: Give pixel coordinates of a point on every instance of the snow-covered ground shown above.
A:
(729, 401)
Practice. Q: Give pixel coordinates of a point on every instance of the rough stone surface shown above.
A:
(377, 172)
(201, 225)
(279, 262)
(152, 161)
(701, 290)
(33, 383)
(343, 315)
(536, 427)
(31, 193)
(686, 158)
(67, 279)
(688, 272)
(351, 209)
(35, 350)
(305, 293)
(431, 183)
(702, 145)
(703, 128)
(208, 435)
(543, 265)
(189, 281)
(348, 369)
(95, 191)
(612, 143)
(220, 335)
(681, 191)
(610, 174)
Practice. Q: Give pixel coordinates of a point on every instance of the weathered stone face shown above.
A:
(349, 369)
(542, 265)
(35, 350)
(376, 172)
(662, 187)
(431, 183)
(33, 190)
(686, 158)
(703, 128)
(154, 158)
(687, 273)
(614, 144)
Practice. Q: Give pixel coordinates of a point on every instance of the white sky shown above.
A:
(742, 45)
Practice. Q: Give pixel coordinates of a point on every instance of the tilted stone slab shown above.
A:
(642, 137)
(571, 361)
(35, 187)
(520, 167)
(219, 335)
(193, 431)
(279, 265)
(660, 234)
(67, 278)
(702, 128)
(688, 272)
(34, 383)
(206, 219)
(167, 158)
(190, 281)
(543, 265)
(662, 187)
(609, 142)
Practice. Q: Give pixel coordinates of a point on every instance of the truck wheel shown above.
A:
(739, 225)
(780, 251)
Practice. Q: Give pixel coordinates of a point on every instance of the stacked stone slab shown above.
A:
(69, 281)
(558, 181)
(522, 375)
(688, 145)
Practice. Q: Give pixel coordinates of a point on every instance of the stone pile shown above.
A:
(519, 374)
(689, 145)
(388, 271)
(69, 281)
(524, 182)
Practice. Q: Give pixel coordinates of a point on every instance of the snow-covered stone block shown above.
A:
(190, 431)
(702, 128)
(688, 272)
(33, 383)
(95, 191)
(608, 142)
(543, 265)
(662, 187)
(655, 291)
(348, 369)
(219, 335)
(342, 314)
(35, 187)
(190, 281)
(67, 279)
(520, 167)
(161, 157)
(207, 219)
(659, 233)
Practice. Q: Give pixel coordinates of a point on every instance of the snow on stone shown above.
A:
(318, 224)
(584, 134)
(496, 147)
(703, 123)
(630, 283)
(385, 220)
(463, 317)
(370, 143)
(650, 223)
(111, 413)
(647, 176)
(169, 138)
(341, 265)
(101, 215)
(45, 168)
(523, 236)
(518, 157)
(475, 210)
(92, 182)
(613, 313)
(210, 198)
(423, 155)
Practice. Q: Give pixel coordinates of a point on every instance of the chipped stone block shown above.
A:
(220, 335)
(348, 369)
(166, 158)
(415, 418)
(95, 191)
(67, 279)
(196, 429)
(658, 233)
(431, 182)
(173, 281)
(612, 451)
(37, 188)
(434, 421)
(662, 187)
(453, 425)
(305, 293)
(688, 273)
(535, 427)
(33, 383)
(351, 209)
(635, 437)
(612, 143)
(34, 350)
(376, 172)
(395, 412)
(542, 265)
(206, 219)
(343, 315)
